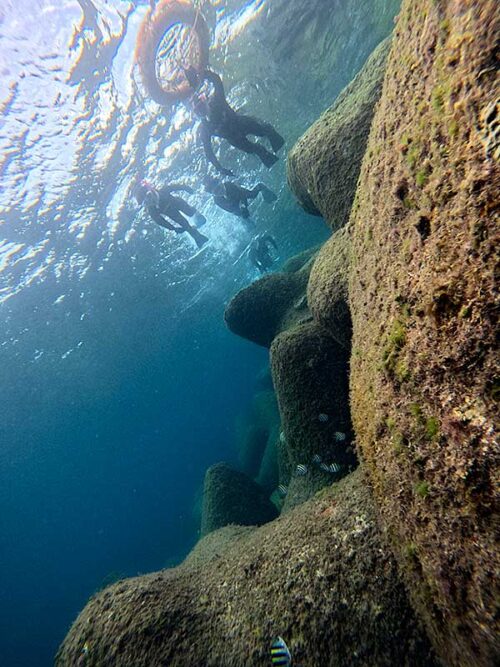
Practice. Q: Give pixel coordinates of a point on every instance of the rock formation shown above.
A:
(270, 305)
(323, 166)
(424, 382)
(321, 576)
(231, 497)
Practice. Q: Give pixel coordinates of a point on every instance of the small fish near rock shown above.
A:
(323, 418)
(333, 468)
(282, 490)
(339, 436)
(280, 655)
(301, 470)
(316, 459)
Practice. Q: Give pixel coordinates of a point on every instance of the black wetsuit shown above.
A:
(260, 252)
(221, 120)
(161, 204)
(235, 198)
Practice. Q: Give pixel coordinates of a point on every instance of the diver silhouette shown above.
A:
(219, 119)
(260, 253)
(235, 198)
(161, 204)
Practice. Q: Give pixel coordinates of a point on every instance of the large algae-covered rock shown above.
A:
(423, 297)
(229, 497)
(270, 305)
(310, 372)
(321, 577)
(323, 166)
(327, 291)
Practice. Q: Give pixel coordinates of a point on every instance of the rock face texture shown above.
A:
(328, 288)
(270, 305)
(231, 497)
(310, 372)
(322, 577)
(424, 383)
(323, 166)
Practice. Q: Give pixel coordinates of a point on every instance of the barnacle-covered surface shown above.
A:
(321, 576)
(323, 166)
(424, 368)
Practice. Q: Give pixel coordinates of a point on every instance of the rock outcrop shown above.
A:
(231, 497)
(270, 305)
(327, 291)
(424, 367)
(310, 372)
(322, 577)
(323, 166)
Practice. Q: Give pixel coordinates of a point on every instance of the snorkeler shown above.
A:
(234, 198)
(260, 252)
(219, 119)
(161, 204)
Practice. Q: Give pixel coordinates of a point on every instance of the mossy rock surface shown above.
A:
(323, 166)
(327, 291)
(310, 372)
(270, 305)
(424, 381)
(321, 577)
(231, 497)
(297, 262)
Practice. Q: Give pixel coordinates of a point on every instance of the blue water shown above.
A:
(120, 384)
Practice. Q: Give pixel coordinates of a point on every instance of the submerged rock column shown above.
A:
(425, 373)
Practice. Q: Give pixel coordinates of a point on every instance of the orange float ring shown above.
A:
(156, 24)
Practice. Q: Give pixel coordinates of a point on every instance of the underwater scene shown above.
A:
(248, 323)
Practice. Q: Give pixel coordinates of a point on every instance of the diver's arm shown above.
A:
(206, 140)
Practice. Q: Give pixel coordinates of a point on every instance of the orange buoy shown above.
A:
(189, 32)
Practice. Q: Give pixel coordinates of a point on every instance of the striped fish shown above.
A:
(301, 469)
(340, 437)
(280, 655)
(322, 417)
(316, 459)
(282, 438)
(332, 468)
(282, 490)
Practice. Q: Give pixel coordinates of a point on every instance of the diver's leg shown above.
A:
(251, 125)
(186, 208)
(227, 205)
(267, 194)
(240, 141)
(199, 238)
(190, 211)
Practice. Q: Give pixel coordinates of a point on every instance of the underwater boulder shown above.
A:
(297, 262)
(321, 577)
(269, 305)
(323, 166)
(231, 497)
(310, 373)
(423, 295)
(327, 291)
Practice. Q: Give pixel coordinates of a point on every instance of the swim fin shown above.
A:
(199, 238)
